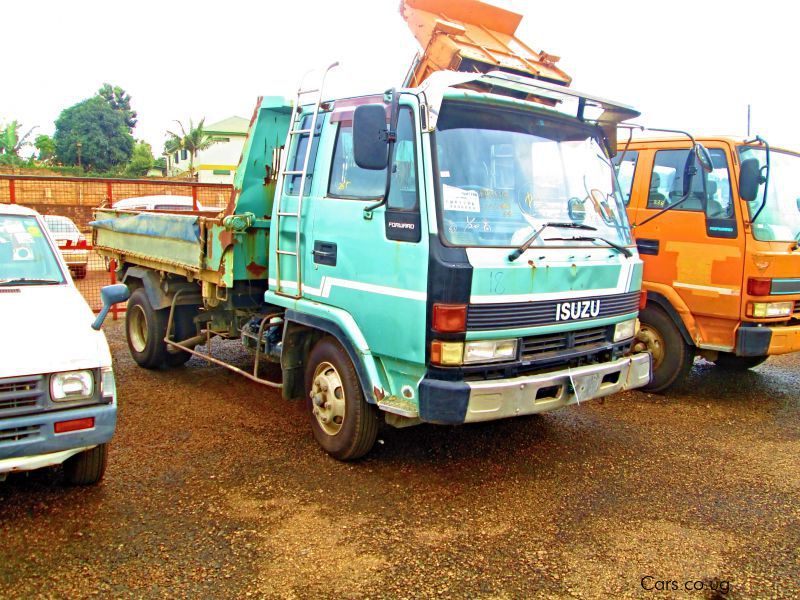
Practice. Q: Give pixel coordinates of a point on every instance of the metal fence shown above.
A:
(76, 197)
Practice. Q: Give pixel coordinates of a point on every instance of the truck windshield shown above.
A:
(504, 173)
(25, 256)
(780, 219)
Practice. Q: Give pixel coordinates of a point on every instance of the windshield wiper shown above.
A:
(534, 236)
(27, 281)
(588, 238)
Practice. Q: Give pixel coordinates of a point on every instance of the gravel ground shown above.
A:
(216, 488)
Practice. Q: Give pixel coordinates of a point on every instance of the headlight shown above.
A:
(72, 385)
(625, 330)
(768, 310)
(489, 351)
(452, 354)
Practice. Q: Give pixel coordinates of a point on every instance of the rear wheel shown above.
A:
(344, 424)
(731, 362)
(87, 467)
(145, 328)
(672, 356)
(79, 272)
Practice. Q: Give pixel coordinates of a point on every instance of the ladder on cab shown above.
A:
(296, 129)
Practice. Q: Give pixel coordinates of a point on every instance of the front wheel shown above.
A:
(672, 356)
(87, 467)
(344, 424)
(731, 362)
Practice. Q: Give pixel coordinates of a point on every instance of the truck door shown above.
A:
(373, 266)
(696, 247)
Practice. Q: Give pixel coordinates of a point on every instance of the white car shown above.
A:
(163, 202)
(71, 242)
(58, 399)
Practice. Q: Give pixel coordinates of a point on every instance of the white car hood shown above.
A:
(47, 328)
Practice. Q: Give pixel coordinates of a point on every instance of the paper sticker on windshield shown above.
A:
(461, 200)
(23, 238)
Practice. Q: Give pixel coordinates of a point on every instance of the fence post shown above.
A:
(110, 198)
(194, 197)
(12, 192)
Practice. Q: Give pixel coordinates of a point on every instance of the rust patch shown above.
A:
(256, 269)
(378, 393)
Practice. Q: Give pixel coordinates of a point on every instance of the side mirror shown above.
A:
(370, 137)
(110, 294)
(703, 157)
(749, 179)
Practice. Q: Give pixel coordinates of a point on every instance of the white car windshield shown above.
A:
(26, 257)
(505, 173)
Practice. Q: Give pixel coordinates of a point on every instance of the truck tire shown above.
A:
(731, 362)
(344, 424)
(672, 356)
(80, 272)
(145, 328)
(87, 467)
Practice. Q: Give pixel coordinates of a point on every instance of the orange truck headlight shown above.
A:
(769, 310)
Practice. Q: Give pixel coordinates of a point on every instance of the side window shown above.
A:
(349, 181)
(292, 184)
(625, 166)
(709, 192)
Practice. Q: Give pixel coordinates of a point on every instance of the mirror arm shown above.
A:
(766, 180)
(633, 126)
(391, 138)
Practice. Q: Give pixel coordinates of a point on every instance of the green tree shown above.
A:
(141, 161)
(94, 135)
(119, 100)
(193, 140)
(11, 142)
(46, 147)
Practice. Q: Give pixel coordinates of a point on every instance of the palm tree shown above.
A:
(10, 140)
(193, 140)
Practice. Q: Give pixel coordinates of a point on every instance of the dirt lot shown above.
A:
(216, 488)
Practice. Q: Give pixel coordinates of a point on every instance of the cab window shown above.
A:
(350, 181)
(709, 193)
(625, 165)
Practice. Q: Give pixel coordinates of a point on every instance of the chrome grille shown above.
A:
(538, 345)
(20, 394)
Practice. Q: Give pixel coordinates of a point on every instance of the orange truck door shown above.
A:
(696, 249)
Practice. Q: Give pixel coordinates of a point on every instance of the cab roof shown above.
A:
(16, 209)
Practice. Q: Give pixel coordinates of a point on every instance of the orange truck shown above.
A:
(717, 223)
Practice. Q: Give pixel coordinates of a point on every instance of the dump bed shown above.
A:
(473, 36)
(228, 247)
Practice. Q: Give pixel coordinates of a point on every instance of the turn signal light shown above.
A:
(759, 286)
(449, 318)
(447, 353)
(643, 300)
(74, 425)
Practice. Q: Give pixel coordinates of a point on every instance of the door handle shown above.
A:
(645, 246)
(324, 253)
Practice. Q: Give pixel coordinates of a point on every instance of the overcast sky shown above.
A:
(691, 64)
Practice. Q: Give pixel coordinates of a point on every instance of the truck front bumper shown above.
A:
(30, 442)
(453, 402)
(767, 341)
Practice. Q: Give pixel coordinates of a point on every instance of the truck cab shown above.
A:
(497, 278)
(721, 264)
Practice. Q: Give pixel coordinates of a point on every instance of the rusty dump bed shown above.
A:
(472, 36)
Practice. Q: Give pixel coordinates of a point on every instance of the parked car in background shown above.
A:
(71, 242)
(162, 202)
(58, 399)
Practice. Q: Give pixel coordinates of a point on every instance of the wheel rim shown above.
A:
(653, 342)
(327, 398)
(137, 328)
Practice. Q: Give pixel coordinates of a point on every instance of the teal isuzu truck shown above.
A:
(450, 253)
